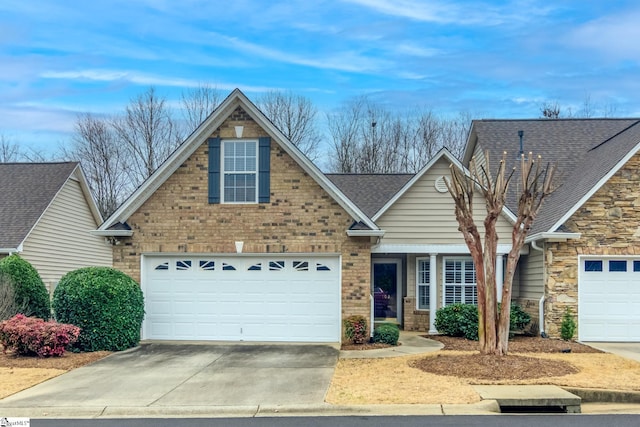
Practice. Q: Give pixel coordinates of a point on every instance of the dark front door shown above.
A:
(387, 290)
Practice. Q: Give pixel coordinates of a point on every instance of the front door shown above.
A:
(387, 290)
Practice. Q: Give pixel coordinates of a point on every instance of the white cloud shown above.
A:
(143, 79)
(613, 36)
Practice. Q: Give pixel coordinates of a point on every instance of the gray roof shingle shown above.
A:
(583, 150)
(26, 189)
(370, 192)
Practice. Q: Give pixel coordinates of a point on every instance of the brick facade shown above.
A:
(610, 225)
(300, 218)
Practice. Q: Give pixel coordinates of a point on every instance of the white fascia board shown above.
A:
(198, 137)
(392, 248)
(84, 185)
(552, 237)
(112, 233)
(596, 187)
(8, 250)
(470, 147)
(365, 233)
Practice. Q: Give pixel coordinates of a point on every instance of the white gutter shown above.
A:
(365, 233)
(535, 246)
(8, 250)
(112, 233)
(552, 237)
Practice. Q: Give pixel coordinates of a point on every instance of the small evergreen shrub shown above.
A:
(32, 336)
(461, 320)
(458, 320)
(568, 325)
(386, 333)
(105, 303)
(355, 329)
(29, 288)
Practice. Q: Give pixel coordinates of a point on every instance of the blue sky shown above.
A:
(499, 59)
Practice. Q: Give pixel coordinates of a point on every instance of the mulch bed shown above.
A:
(364, 346)
(518, 344)
(513, 366)
(65, 362)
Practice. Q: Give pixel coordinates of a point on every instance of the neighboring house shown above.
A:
(238, 236)
(46, 216)
(584, 248)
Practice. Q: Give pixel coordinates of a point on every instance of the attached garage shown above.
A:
(609, 299)
(242, 297)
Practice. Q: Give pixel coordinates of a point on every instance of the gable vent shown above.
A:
(441, 185)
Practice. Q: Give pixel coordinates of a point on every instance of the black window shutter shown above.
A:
(214, 170)
(264, 168)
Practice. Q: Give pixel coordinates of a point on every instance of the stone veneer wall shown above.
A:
(610, 225)
(300, 218)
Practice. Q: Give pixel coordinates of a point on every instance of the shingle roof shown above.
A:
(26, 189)
(370, 192)
(583, 150)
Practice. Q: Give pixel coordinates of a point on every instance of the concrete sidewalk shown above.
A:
(410, 343)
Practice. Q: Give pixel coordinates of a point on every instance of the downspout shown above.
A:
(535, 246)
(372, 318)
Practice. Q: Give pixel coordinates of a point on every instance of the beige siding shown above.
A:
(424, 216)
(61, 240)
(531, 275)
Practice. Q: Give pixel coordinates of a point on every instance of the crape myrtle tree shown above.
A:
(534, 186)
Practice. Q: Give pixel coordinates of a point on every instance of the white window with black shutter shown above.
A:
(239, 170)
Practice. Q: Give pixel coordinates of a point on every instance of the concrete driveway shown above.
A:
(190, 375)
(630, 350)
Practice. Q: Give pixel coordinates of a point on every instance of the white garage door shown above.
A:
(609, 299)
(242, 298)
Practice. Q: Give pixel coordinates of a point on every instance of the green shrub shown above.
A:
(519, 318)
(386, 333)
(29, 290)
(568, 325)
(355, 329)
(461, 320)
(458, 320)
(105, 303)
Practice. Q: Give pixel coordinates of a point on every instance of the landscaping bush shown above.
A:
(105, 303)
(386, 333)
(355, 329)
(32, 336)
(28, 287)
(458, 320)
(568, 325)
(519, 318)
(9, 307)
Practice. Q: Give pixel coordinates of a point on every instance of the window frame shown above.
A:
(420, 284)
(463, 285)
(224, 172)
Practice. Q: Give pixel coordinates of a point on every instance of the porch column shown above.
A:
(433, 293)
(499, 276)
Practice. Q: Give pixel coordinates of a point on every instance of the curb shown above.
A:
(595, 395)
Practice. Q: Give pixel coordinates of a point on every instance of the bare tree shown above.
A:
(103, 161)
(344, 129)
(9, 307)
(536, 185)
(9, 151)
(198, 103)
(295, 116)
(550, 110)
(148, 133)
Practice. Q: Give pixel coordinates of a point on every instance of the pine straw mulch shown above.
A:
(364, 346)
(513, 366)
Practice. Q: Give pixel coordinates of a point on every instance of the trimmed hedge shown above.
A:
(461, 320)
(105, 303)
(29, 289)
(355, 329)
(32, 336)
(386, 333)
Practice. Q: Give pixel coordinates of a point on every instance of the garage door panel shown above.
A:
(282, 298)
(609, 301)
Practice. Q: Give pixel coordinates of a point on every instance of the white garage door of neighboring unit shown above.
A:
(609, 299)
(242, 298)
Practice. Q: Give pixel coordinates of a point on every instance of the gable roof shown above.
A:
(586, 153)
(26, 191)
(199, 137)
(370, 191)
